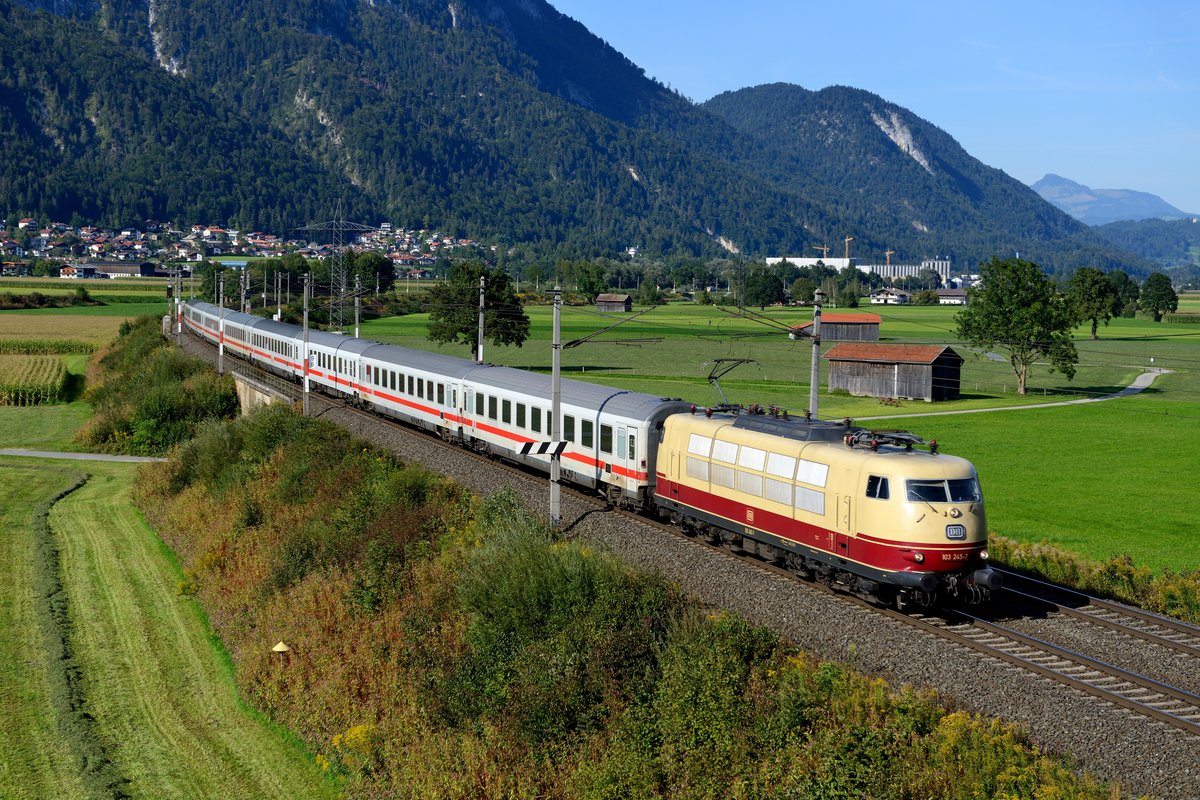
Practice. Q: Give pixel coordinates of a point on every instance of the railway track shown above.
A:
(1110, 683)
(1144, 625)
(1125, 689)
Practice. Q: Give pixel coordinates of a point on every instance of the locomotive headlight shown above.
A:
(919, 558)
(983, 554)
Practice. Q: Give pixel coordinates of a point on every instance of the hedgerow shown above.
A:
(152, 396)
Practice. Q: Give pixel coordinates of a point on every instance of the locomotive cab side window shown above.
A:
(877, 487)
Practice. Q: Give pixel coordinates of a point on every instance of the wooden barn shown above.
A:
(837, 327)
(614, 302)
(926, 372)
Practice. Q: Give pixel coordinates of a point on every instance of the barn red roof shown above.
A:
(859, 319)
(887, 353)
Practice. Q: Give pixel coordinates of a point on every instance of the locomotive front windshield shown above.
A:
(954, 490)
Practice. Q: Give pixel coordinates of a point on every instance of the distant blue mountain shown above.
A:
(1101, 206)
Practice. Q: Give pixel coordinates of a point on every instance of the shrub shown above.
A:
(152, 396)
(557, 633)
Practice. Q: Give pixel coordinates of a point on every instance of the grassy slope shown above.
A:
(35, 762)
(161, 693)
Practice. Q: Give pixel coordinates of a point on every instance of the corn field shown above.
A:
(30, 380)
(44, 346)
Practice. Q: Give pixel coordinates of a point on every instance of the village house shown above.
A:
(887, 296)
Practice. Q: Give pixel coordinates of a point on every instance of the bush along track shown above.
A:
(150, 396)
(102, 777)
(446, 646)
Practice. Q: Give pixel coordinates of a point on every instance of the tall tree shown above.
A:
(803, 290)
(762, 287)
(1017, 309)
(1158, 297)
(372, 268)
(1127, 292)
(454, 308)
(1091, 295)
(590, 280)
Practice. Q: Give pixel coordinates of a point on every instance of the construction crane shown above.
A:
(824, 248)
(888, 255)
(848, 240)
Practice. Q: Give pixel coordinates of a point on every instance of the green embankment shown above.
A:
(159, 687)
(147, 700)
(36, 760)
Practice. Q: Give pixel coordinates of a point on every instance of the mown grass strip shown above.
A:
(99, 776)
(160, 692)
(38, 758)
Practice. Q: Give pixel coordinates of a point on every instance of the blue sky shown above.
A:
(1103, 93)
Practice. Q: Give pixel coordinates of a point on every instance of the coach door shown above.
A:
(618, 454)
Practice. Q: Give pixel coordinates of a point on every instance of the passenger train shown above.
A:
(866, 512)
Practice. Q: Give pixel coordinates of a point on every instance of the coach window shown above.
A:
(520, 415)
(410, 385)
(491, 407)
(421, 388)
(506, 408)
(606, 438)
(535, 419)
(877, 487)
(632, 447)
(479, 404)
(568, 428)
(441, 394)
(585, 437)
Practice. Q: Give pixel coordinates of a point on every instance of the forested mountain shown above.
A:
(499, 119)
(1173, 245)
(94, 132)
(1101, 206)
(899, 182)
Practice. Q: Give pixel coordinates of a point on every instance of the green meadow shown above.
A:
(163, 715)
(1100, 479)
